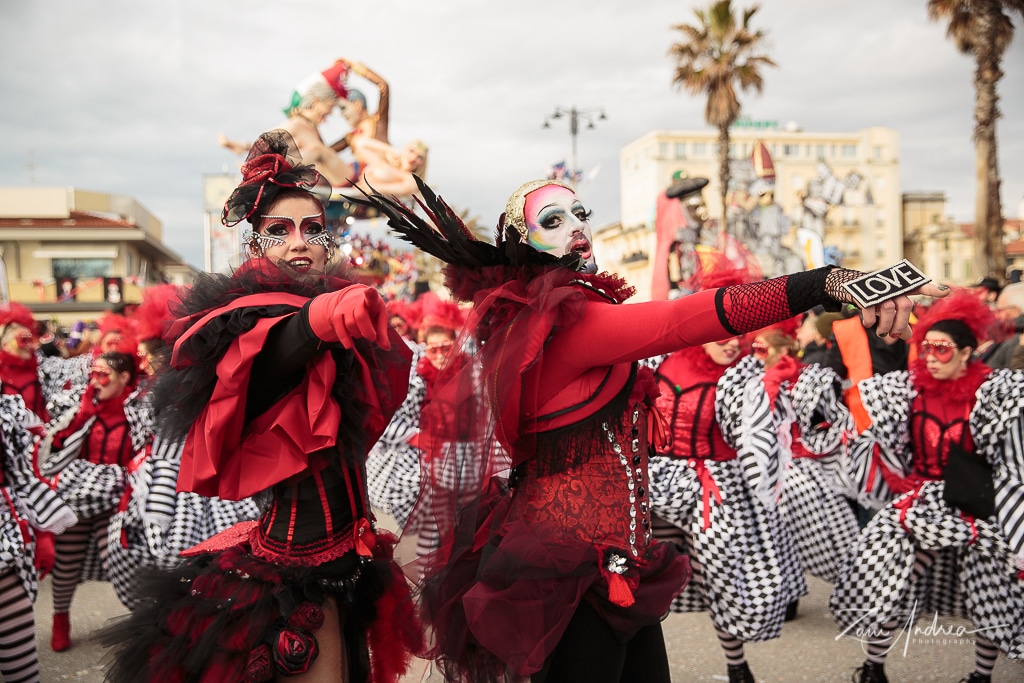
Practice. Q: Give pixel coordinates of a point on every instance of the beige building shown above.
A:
(946, 250)
(865, 227)
(70, 254)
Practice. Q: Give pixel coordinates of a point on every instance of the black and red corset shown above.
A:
(934, 426)
(315, 517)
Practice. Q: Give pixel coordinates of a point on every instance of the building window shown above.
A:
(700, 149)
(732, 150)
(680, 150)
(662, 149)
(849, 151)
(807, 151)
(791, 150)
(819, 151)
(968, 269)
(877, 152)
(880, 222)
(947, 270)
(82, 268)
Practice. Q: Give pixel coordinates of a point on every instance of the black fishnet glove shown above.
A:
(745, 308)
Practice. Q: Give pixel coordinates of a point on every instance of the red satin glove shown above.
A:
(45, 553)
(88, 405)
(356, 312)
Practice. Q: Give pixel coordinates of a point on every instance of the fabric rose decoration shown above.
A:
(308, 616)
(259, 668)
(294, 651)
(264, 167)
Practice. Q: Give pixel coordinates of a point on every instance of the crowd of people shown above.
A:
(572, 467)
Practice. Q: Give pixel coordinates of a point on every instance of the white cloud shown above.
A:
(128, 97)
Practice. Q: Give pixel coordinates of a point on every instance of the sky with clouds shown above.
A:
(128, 97)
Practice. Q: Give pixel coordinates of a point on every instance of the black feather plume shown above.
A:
(448, 238)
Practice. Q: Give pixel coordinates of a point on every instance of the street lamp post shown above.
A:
(588, 116)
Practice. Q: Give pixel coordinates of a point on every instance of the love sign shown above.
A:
(872, 289)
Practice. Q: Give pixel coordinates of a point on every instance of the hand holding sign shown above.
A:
(884, 295)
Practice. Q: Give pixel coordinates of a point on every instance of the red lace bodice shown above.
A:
(688, 380)
(604, 501)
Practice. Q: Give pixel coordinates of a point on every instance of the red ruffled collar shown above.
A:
(960, 389)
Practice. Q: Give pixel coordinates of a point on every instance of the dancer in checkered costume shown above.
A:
(813, 425)
(154, 523)
(921, 556)
(89, 452)
(30, 514)
(714, 491)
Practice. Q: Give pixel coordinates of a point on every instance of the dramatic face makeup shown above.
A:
(19, 341)
(107, 382)
(559, 224)
(294, 230)
(942, 357)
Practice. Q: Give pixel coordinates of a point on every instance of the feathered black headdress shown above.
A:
(450, 240)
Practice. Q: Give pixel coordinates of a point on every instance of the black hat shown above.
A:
(685, 187)
(990, 283)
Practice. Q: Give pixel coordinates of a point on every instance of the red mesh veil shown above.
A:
(274, 165)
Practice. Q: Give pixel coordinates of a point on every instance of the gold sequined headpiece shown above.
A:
(515, 208)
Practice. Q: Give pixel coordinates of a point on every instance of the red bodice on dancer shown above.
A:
(110, 439)
(939, 416)
(688, 381)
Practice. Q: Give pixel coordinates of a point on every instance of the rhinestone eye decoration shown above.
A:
(260, 243)
(324, 239)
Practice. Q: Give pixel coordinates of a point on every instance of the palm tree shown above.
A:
(718, 53)
(984, 29)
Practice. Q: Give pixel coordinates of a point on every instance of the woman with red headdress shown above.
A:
(281, 376)
(31, 513)
(547, 569)
(19, 367)
(713, 486)
(88, 451)
(394, 467)
(946, 435)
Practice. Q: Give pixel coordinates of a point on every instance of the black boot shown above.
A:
(870, 673)
(791, 610)
(740, 673)
(976, 677)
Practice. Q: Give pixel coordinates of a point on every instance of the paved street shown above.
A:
(807, 650)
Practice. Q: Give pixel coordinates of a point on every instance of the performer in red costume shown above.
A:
(952, 542)
(714, 494)
(550, 572)
(19, 367)
(88, 452)
(282, 375)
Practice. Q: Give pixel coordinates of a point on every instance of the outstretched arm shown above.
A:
(383, 101)
(236, 146)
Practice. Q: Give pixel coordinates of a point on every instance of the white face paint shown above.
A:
(559, 224)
